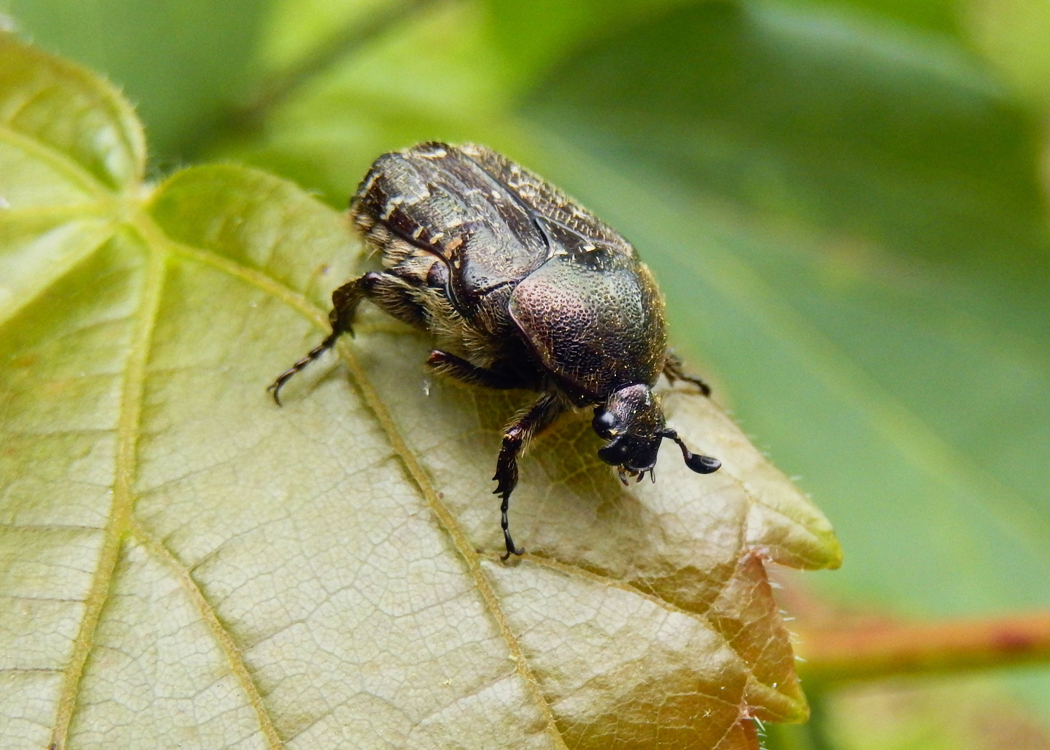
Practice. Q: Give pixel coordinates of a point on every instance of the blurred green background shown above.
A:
(845, 202)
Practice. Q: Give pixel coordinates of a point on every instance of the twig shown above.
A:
(885, 649)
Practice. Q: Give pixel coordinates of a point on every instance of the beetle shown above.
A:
(520, 287)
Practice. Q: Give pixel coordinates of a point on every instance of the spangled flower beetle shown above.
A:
(521, 288)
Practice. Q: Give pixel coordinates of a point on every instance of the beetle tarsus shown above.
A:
(275, 387)
(512, 549)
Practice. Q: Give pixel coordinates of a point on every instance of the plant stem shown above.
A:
(885, 649)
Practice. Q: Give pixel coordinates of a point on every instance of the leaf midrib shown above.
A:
(120, 514)
(121, 526)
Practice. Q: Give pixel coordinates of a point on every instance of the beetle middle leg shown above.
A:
(465, 372)
(516, 437)
(673, 370)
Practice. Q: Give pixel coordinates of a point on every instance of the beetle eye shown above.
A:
(604, 424)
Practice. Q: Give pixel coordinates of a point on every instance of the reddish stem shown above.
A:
(883, 649)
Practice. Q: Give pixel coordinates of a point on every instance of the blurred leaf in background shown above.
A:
(844, 200)
(183, 64)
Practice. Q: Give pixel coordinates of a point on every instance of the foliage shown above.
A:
(185, 560)
(843, 201)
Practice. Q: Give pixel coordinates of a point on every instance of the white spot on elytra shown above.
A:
(392, 205)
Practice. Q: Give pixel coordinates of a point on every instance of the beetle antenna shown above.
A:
(696, 462)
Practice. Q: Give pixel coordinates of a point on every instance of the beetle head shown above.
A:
(633, 423)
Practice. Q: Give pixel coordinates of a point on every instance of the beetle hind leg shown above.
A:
(345, 300)
(516, 438)
(673, 370)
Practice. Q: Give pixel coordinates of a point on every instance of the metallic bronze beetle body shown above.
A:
(521, 288)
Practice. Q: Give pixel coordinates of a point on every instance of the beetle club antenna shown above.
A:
(696, 462)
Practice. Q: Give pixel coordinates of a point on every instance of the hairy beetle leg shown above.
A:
(345, 300)
(673, 370)
(537, 418)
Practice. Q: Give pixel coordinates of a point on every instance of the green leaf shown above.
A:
(183, 64)
(940, 16)
(537, 36)
(181, 562)
(85, 139)
(881, 137)
(1012, 35)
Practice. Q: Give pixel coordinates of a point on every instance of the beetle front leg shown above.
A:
(516, 438)
(345, 300)
(673, 370)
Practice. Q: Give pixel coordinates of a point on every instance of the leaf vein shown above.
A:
(55, 271)
(68, 167)
(223, 638)
(123, 498)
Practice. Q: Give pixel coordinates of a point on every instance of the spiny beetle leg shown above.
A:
(275, 387)
(345, 300)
